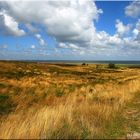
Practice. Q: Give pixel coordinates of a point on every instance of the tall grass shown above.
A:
(85, 113)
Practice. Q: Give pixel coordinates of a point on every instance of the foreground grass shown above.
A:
(66, 104)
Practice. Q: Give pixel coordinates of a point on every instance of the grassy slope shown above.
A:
(62, 101)
(128, 121)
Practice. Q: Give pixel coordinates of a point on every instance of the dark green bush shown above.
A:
(111, 66)
(5, 104)
(83, 64)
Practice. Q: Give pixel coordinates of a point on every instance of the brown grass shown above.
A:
(84, 112)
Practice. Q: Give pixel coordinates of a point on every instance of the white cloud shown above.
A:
(136, 31)
(9, 26)
(133, 10)
(33, 46)
(115, 40)
(3, 46)
(67, 21)
(68, 45)
(41, 41)
(121, 28)
(71, 24)
(138, 25)
(62, 45)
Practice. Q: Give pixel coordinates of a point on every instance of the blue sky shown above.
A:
(66, 30)
(112, 10)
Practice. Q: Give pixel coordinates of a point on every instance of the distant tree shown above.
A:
(111, 66)
(83, 64)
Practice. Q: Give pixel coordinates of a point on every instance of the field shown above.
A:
(69, 101)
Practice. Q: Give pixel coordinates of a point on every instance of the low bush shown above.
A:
(112, 66)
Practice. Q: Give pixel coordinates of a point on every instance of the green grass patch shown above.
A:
(114, 128)
(3, 98)
(59, 92)
(5, 104)
(2, 85)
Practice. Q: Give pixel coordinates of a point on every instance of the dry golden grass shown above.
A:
(66, 105)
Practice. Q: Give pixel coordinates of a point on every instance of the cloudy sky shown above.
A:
(70, 30)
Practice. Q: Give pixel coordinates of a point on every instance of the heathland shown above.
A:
(69, 101)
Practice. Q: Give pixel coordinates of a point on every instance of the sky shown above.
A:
(69, 30)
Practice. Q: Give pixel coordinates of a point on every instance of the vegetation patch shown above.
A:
(2, 85)
(6, 105)
(115, 128)
(59, 92)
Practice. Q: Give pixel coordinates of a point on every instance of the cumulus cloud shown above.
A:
(67, 21)
(71, 24)
(9, 26)
(41, 41)
(33, 47)
(121, 28)
(133, 10)
(115, 40)
(68, 46)
(136, 31)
